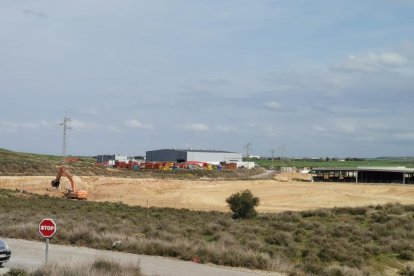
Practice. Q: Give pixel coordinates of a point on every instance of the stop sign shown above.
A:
(47, 228)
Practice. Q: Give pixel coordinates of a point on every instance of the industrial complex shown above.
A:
(168, 159)
(185, 155)
(400, 175)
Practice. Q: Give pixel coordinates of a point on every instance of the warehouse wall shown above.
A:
(214, 157)
(165, 155)
(206, 156)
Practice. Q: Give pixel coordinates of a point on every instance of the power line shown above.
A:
(248, 148)
(66, 127)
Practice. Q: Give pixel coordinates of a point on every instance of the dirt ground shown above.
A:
(284, 192)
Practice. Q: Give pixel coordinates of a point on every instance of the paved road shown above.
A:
(30, 255)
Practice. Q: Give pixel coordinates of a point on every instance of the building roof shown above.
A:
(334, 169)
(200, 150)
(387, 169)
(371, 169)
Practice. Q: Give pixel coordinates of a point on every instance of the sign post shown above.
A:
(47, 251)
(47, 228)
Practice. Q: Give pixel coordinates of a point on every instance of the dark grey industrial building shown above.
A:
(185, 155)
(400, 175)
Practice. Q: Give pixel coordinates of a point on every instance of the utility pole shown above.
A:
(282, 151)
(273, 157)
(66, 127)
(248, 148)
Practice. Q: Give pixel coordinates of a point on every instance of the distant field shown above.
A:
(392, 162)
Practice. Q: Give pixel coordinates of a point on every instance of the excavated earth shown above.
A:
(288, 191)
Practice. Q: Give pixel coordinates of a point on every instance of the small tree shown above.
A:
(242, 204)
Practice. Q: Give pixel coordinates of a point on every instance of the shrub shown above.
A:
(405, 255)
(279, 238)
(408, 270)
(350, 210)
(242, 204)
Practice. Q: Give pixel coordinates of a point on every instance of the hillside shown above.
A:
(29, 164)
(17, 163)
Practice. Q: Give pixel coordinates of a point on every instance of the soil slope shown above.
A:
(284, 192)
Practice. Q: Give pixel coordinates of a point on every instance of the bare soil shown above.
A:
(288, 191)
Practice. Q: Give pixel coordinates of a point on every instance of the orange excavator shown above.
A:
(73, 193)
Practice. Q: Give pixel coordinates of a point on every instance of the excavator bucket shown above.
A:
(55, 183)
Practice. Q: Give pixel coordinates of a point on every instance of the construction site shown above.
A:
(163, 205)
(283, 192)
(200, 180)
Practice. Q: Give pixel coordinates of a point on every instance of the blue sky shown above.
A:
(318, 78)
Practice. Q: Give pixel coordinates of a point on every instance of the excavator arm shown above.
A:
(73, 192)
(64, 172)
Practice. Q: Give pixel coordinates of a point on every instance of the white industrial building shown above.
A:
(109, 159)
(186, 155)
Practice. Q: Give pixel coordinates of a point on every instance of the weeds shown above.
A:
(339, 241)
(99, 267)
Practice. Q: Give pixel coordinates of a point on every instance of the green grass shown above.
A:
(385, 162)
(321, 242)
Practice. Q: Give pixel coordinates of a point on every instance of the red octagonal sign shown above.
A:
(47, 228)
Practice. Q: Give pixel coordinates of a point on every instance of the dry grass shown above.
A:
(99, 267)
(339, 241)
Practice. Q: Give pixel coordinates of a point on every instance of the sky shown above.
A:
(299, 78)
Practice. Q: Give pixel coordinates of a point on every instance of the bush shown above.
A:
(242, 204)
(405, 255)
(408, 270)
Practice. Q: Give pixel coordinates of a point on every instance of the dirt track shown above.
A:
(279, 194)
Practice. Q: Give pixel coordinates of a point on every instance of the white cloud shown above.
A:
(273, 105)
(9, 126)
(346, 126)
(226, 128)
(113, 129)
(369, 138)
(197, 127)
(372, 62)
(405, 136)
(45, 124)
(93, 111)
(82, 125)
(132, 123)
(319, 128)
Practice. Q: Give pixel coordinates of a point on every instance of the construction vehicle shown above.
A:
(73, 193)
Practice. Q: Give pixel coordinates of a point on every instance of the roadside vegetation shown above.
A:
(27, 164)
(99, 267)
(340, 241)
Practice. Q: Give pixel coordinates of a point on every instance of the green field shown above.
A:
(374, 162)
